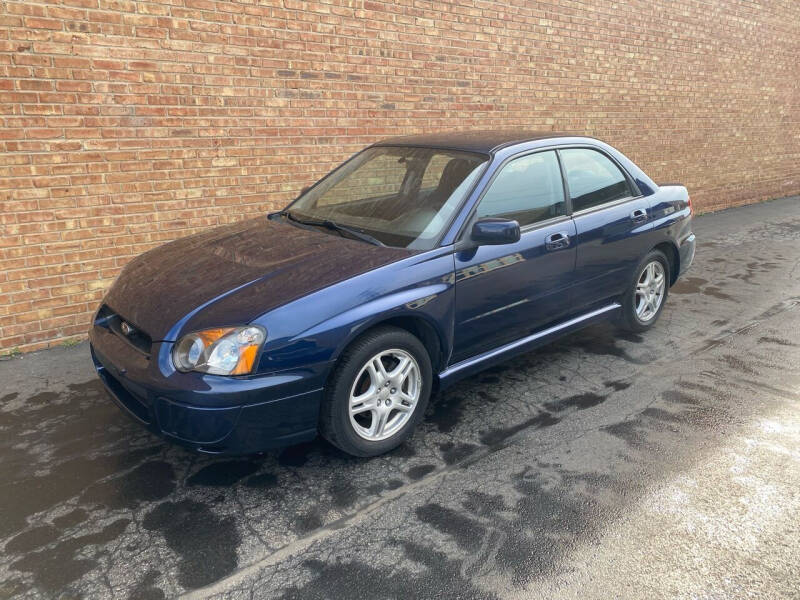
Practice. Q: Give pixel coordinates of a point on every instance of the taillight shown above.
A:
(689, 202)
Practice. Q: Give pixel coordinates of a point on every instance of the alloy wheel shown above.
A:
(384, 394)
(650, 291)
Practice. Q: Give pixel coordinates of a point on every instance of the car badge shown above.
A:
(127, 329)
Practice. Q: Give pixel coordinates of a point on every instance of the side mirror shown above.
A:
(493, 232)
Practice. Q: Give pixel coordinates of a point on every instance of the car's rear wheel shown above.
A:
(377, 393)
(645, 298)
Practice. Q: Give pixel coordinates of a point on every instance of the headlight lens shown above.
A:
(226, 351)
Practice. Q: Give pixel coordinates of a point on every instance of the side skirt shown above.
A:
(473, 365)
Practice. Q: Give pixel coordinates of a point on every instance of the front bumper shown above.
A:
(208, 413)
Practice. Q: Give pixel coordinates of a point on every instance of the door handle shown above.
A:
(639, 215)
(557, 241)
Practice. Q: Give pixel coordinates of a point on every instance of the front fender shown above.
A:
(317, 328)
(439, 309)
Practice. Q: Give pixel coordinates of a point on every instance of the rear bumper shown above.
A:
(211, 414)
(686, 252)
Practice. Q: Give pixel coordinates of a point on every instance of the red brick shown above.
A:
(38, 23)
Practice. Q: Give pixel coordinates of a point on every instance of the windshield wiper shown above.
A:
(337, 227)
(357, 233)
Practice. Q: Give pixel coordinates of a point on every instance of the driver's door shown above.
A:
(506, 292)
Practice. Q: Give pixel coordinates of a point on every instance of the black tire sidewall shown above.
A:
(631, 319)
(335, 418)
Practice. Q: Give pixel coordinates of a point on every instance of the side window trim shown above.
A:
(564, 182)
(545, 223)
(633, 189)
(604, 206)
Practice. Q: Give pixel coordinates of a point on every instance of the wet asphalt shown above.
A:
(665, 464)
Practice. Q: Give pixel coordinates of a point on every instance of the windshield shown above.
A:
(402, 197)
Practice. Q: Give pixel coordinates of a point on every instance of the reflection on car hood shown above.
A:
(232, 274)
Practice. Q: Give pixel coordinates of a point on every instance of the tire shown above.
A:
(385, 415)
(633, 317)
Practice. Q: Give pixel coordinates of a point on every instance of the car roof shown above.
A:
(485, 141)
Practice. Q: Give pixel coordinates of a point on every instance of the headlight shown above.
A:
(227, 351)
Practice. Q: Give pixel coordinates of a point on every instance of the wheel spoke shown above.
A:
(641, 302)
(376, 370)
(406, 397)
(363, 403)
(373, 374)
(409, 375)
(378, 422)
(379, 366)
(401, 370)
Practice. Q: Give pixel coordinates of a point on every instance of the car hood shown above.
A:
(232, 274)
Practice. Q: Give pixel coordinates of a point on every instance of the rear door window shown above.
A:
(593, 178)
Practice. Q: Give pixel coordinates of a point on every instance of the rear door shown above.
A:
(612, 222)
(505, 292)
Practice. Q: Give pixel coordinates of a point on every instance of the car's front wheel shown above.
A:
(377, 393)
(644, 300)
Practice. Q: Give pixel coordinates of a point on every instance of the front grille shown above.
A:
(129, 332)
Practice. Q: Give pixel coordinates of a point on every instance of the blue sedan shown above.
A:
(419, 261)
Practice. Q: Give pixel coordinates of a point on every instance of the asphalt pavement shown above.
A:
(607, 465)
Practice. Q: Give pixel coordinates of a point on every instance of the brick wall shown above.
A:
(128, 123)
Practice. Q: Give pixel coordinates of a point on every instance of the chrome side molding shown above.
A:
(500, 350)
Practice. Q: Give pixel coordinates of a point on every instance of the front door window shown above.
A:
(528, 189)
